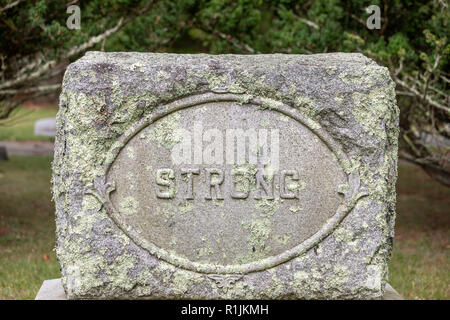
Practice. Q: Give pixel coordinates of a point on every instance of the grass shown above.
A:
(20, 125)
(419, 268)
(420, 264)
(27, 227)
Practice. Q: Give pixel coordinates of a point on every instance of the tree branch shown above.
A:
(419, 95)
(235, 42)
(307, 22)
(241, 45)
(40, 89)
(72, 52)
(10, 5)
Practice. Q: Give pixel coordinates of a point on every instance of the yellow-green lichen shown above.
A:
(371, 110)
(167, 131)
(283, 238)
(267, 207)
(129, 206)
(259, 230)
(186, 206)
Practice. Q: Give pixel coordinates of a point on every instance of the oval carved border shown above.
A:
(352, 192)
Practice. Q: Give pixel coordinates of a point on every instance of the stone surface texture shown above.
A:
(117, 120)
(53, 290)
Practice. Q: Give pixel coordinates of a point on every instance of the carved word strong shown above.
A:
(217, 183)
(241, 183)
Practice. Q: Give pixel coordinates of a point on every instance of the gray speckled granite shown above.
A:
(338, 129)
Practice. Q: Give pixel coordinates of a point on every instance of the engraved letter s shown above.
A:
(164, 178)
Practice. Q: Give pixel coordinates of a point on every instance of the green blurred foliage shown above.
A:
(412, 41)
(412, 30)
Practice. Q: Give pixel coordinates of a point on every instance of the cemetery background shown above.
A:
(420, 261)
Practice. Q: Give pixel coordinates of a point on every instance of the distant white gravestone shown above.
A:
(45, 127)
(225, 177)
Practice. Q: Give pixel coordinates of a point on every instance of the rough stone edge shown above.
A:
(53, 290)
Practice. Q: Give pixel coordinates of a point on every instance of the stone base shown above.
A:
(53, 290)
(391, 294)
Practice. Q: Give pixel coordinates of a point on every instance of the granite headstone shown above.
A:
(225, 177)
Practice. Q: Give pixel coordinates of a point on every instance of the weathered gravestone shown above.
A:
(45, 127)
(199, 176)
(3, 154)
